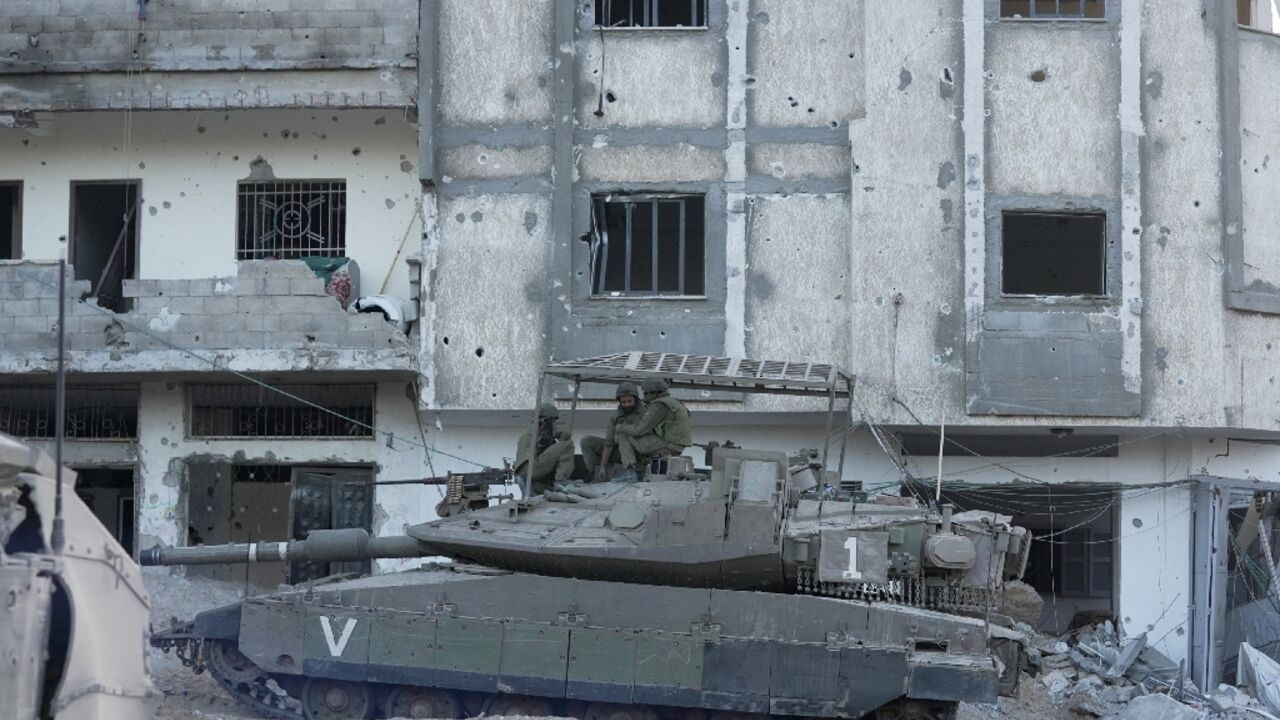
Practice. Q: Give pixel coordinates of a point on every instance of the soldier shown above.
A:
(553, 454)
(663, 428)
(598, 452)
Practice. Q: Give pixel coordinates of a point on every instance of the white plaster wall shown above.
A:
(189, 164)
(1260, 156)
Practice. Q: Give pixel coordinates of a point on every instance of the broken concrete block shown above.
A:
(1118, 693)
(1056, 681)
(1158, 707)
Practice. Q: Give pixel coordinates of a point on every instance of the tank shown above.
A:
(758, 584)
(74, 624)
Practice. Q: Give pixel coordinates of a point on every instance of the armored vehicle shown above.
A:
(759, 584)
(73, 624)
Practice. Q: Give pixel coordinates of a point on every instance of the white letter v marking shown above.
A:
(336, 647)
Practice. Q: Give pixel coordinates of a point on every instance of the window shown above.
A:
(291, 219)
(1054, 9)
(104, 237)
(10, 221)
(230, 411)
(651, 13)
(647, 245)
(1054, 254)
(1261, 15)
(98, 412)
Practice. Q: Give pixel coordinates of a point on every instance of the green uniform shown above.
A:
(662, 430)
(554, 464)
(593, 445)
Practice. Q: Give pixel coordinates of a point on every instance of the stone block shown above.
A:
(221, 305)
(21, 308)
(185, 305)
(6, 325)
(277, 284)
(31, 24)
(1158, 707)
(312, 286)
(300, 322)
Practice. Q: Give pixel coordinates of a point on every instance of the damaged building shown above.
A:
(1039, 228)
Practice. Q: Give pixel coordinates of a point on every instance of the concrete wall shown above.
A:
(170, 56)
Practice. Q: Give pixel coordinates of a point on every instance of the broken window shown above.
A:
(300, 411)
(104, 237)
(10, 221)
(291, 219)
(651, 13)
(1054, 9)
(1054, 253)
(647, 245)
(96, 412)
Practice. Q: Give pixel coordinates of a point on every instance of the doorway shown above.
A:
(104, 237)
(109, 492)
(10, 221)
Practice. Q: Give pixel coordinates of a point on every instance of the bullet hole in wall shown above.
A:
(355, 151)
(479, 352)
(446, 341)
(1039, 76)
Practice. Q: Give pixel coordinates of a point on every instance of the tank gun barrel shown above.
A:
(343, 545)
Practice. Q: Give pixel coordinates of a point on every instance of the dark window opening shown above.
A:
(109, 493)
(1054, 254)
(651, 13)
(1244, 12)
(104, 238)
(98, 412)
(291, 219)
(1056, 9)
(10, 221)
(646, 245)
(1046, 445)
(301, 411)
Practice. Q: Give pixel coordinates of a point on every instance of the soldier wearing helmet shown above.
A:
(598, 452)
(662, 429)
(553, 453)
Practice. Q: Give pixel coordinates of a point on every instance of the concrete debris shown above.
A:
(1096, 672)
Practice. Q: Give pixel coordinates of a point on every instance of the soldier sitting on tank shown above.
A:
(598, 452)
(553, 454)
(661, 430)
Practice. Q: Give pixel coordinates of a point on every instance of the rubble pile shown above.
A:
(1095, 672)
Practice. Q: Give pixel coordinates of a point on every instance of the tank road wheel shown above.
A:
(416, 702)
(917, 710)
(518, 705)
(611, 711)
(325, 699)
(226, 661)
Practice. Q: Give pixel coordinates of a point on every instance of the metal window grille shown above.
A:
(1056, 9)
(97, 412)
(291, 219)
(243, 411)
(651, 13)
(647, 245)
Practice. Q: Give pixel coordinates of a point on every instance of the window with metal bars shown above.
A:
(651, 13)
(291, 219)
(1054, 9)
(301, 411)
(647, 245)
(93, 412)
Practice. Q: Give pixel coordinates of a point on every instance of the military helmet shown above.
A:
(654, 385)
(548, 410)
(625, 389)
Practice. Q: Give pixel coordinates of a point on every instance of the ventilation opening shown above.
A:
(1054, 254)
(645, 245)
(650, 13)
(104, 238)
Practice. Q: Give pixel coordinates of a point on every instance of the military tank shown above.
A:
(74, 620)
(759, 584)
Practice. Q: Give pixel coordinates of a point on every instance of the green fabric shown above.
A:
(636, 450)
(674, 428)
(325, 267)
(554, 463)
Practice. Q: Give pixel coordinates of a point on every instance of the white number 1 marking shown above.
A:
(851, 544)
